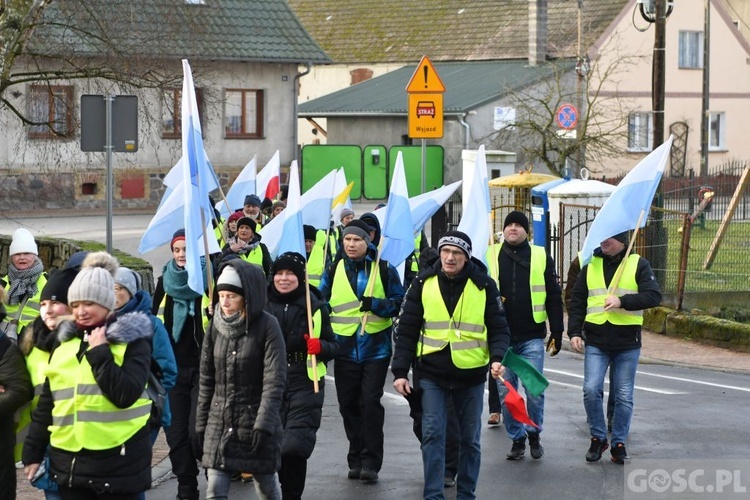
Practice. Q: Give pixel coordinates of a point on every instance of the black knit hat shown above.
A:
(622, 237)
(253, 200)
(247, 221)
(457, 239)
(291, 261)
(57, 285)
(519, 218)
(310, 232)
(359, 228)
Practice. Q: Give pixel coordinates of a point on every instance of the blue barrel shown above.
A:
(540, 212)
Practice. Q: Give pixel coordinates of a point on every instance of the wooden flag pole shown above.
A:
(493, 266)
(368, 292)
(314, 358)
(621, 268)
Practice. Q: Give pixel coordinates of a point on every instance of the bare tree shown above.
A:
(602, 116)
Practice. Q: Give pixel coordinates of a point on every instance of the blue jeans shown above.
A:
(622, 366)
(533, 352)
(468, 403)
(219, 481)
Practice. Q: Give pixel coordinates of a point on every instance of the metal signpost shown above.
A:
(109, 123)
(425, 108)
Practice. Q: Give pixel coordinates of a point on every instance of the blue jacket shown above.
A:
(368, 347)
(161, 349)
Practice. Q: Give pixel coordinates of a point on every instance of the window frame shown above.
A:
(176, 97)
(259, 115)
(640, 115)
(684, 61)
(722, 122)
(48, 130)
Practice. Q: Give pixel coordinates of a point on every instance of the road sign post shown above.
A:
(425, 108)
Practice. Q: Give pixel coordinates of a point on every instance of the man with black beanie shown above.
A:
(532, 297)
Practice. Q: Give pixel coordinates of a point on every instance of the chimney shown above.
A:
(537, 32)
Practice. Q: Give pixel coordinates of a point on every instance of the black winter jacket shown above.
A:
(242, 382)
(515, 290)
(438, 367)
(609, 336)
(125, 469)
(188, 350)
(302, 407)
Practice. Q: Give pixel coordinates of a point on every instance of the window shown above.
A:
(691, 49)
(171, 120)
(51, 108)
(640, 132)
(243, 114)
(716, 131)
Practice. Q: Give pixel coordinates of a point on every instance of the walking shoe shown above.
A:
(537, 450)
(598, 446)
(354, 473)
(495, 419)
(449, 482)
(517, 450)
(246, 477)
(368, 475)
(619, 455)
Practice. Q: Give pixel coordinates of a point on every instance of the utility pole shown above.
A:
(658, 73)
(704, 100)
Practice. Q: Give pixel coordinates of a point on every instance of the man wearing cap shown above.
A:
(364, 299)
(532, 297)
(23, 284)
(251, 208)
(612, 321)
(247, 245)
(452, 327)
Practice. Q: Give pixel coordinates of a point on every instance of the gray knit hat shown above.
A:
(230, 281)
(96, 281)
(128, 279)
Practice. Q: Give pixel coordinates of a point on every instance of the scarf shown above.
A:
(183, 297)
(23, 282)
(232, 326)
(246, 247)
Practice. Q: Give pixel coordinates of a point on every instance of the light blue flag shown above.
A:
(317, 201)
(292, 236)
(397, 230)
(476, 208)
(197, 175)
(242, 186)
(423, 206)
(632, 196)
(168, 218)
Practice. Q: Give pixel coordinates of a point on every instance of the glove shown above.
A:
(554, 344)
(366, 304)
(313, 345)
(260, 440)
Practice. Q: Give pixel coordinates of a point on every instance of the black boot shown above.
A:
(537, 450)
(518, 449)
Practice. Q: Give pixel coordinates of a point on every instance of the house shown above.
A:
(246, 59)
(615, 82)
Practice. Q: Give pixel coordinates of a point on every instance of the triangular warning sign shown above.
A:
(425, 78)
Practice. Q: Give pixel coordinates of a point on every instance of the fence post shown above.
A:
(682, 271)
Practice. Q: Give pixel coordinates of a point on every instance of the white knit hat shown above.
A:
(23, 242)
(96, 281)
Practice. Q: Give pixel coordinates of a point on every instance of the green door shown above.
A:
(375, 172)
(320, 159)
(413, 167)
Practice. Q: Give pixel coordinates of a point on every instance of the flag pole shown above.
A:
(493, 266)
(368, 291)
(314, 358)
(621, 267)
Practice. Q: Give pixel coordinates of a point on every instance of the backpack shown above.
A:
(157, 394)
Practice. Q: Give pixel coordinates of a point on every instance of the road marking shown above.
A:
(641, 388)
(693, 381)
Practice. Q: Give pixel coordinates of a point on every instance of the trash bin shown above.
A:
(540, 212)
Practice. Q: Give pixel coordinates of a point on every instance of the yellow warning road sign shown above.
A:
(425, 78)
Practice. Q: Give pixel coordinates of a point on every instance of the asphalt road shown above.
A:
(680, 414)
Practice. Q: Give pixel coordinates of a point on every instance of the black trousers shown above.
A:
(493, 397)
(181, 437)
(7, 462)
(359, 388)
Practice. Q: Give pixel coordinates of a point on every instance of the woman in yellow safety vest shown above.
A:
(93, 411)
(247, 245)
(302, 408)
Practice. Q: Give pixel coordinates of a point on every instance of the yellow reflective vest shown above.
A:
(255, 256)
(345, 314)
(29, 309)
(537, 286)
(205, 303)
(595, 312)
(82, 416)
(36, 363)
(317, 319)
(465, 331)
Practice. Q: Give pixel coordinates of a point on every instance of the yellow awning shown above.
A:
(524, 179)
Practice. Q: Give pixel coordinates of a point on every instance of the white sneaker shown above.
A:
(19, 465)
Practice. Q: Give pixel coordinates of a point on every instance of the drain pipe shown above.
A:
(467, 130)
(295, 92)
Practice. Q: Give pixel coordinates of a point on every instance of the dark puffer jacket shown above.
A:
(242, 382)
(124, 469)
(302, 408)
